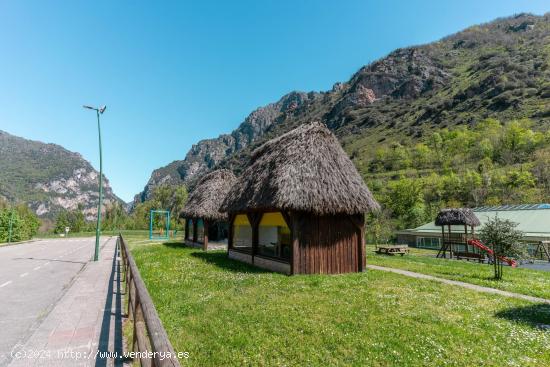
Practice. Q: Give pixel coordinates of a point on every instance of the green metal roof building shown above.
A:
(533, 220)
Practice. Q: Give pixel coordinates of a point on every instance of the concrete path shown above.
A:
(65, 315)
(477, 288)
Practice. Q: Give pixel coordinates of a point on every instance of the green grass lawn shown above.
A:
(526, 281)
(227, 313)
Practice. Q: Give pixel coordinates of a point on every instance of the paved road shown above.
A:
(33, 278)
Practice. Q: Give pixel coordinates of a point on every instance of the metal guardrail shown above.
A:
(150, 339)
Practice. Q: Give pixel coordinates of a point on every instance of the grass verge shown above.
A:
(227, 313)
(519, 280)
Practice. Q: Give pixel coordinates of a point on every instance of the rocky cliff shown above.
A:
(48, 177)
(206, 154)
(500, 69)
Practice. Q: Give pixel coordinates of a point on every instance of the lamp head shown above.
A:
(102, 109)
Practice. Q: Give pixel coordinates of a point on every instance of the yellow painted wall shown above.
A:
(241, 220)
(273, 220)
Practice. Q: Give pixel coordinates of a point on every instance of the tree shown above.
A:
(30, 221)
(405, 200)
(504, 239)
(77, 221)
(23, 222)
(61, 222)
(115, 217)
(380, 227)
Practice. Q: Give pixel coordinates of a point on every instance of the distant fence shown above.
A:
(150, 338)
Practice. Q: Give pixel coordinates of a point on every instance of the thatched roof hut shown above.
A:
(299, 206)
(203, 218)
(457, 216)
(306, 170)
(205, 200)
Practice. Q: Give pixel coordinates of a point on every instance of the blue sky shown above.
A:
(175, 72)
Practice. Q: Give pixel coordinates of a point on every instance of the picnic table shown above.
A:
(393, 249)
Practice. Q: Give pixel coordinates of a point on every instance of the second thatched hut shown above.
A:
(203, 220)
(299, 206)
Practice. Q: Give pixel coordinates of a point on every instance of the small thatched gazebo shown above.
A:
(298, 208)
(203, 219)
(456, 242)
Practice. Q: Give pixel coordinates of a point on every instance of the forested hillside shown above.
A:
(461, 121)
(48, 178)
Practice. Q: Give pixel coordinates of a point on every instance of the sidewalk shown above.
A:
(477, 288)
(87, 319)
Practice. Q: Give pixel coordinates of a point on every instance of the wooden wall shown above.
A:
(327, 244)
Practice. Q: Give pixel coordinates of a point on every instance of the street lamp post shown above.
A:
(99, 111)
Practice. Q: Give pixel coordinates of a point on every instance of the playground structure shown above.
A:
(490, 252)
(162, 225)
(543, 250)
(463, 245)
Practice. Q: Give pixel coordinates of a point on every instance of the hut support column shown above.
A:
(295, 256)
(466, 237)
(254, 220)
(450, 243)
(205, 242)
(195, 226)
(443, 248)
(230, 232)
(186, 229)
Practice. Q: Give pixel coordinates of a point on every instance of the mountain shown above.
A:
(48, 177)
(495, 70)
(206, 154)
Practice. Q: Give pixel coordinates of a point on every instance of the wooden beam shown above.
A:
(205, 241)
(357, 222)
(186, 228)
(295, 263)
(362, 263)
(450, 243)
(195, 227)
(254, 219)
(287, 218)
(230, 220)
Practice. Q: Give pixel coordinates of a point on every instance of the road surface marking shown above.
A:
(5, 284)
(47, 263)
(24, 275)
(38, 267)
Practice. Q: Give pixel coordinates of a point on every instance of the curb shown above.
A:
(5, 244)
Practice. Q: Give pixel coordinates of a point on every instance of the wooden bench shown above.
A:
(470, 256)
(393, 249)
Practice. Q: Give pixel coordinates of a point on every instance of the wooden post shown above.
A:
(195, 226)
(136, 320)
(254, 219)
(466, 237)
(295, 266)
(205, 241)
(230, 232)
(443, 247)
(130, 298)
(450, 242)
(186, 229)
(362, 253)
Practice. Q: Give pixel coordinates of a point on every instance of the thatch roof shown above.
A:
(456, 216)
(205, 200)
(305, 169)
